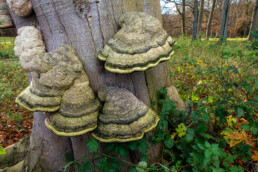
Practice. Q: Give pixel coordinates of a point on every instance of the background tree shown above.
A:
(254, 24)
(200, 18)
(224, 21)
(194, 27)
(60, 24)
(210, 19)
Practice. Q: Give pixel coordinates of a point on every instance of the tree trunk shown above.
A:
(224, 21)
(254, 24)
(60, 25)
(183, 18)
(210, 19)
(199, 26)
(194, 27)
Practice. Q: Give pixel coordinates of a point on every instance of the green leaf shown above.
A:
(85, 166)
(132, 170)
(68, 157)
(2, 151)
(189, 136)
(132, 145)
(143, 146)
(141, 164)
(205, 117)
(236, 169)
(195, 116)
(144, 157)
(114, 164)
(103, 165)
(92, 145)
(207, 153)
(240, 112)
(123, 151)
(169, 143)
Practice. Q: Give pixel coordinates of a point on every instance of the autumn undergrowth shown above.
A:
(15, 122)
(220, 135)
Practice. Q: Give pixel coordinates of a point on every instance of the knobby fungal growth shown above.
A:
(123, 118)
(141, 43)
(5, 18)
(29, 44)
(22, 8)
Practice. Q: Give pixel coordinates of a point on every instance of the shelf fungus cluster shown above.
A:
(123, 118)
(22, 8)
(59, 85)
(141, 43)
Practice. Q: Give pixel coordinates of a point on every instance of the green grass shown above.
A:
(6, 48)
(191, 58)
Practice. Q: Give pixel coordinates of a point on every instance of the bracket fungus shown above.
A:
(55, 73)
(78, 112)
(22, 8)
(123, 118)
(141, 43)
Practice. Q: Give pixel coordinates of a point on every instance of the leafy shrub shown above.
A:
(220, 82)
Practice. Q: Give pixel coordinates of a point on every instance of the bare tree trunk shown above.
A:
(254, 24)
(61, 25)
(199, 26)
(183, 18)
(210, 19)
(194, 27)
(224, 21)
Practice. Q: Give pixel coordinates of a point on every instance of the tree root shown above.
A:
(15, 154)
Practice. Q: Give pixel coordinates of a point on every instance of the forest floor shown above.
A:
(205, 74)
(15, 121)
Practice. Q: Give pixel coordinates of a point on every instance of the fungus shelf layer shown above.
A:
(141, 43)
(78, 112)
(123, 118)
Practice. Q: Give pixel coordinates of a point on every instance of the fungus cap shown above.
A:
(22, 8)
(141, 43)
(123, 118)
(78, 112)
(34, 102)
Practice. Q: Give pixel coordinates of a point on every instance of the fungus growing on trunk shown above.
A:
(54, 73)
(22, 8)
(78, 112)
(123, 118)
(28, 44)
(141, 43)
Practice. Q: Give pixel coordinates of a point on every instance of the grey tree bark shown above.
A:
(194, 26)
(210, 19)
(224, 21)
(254, 24)
(60, 24)
(199, 26)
